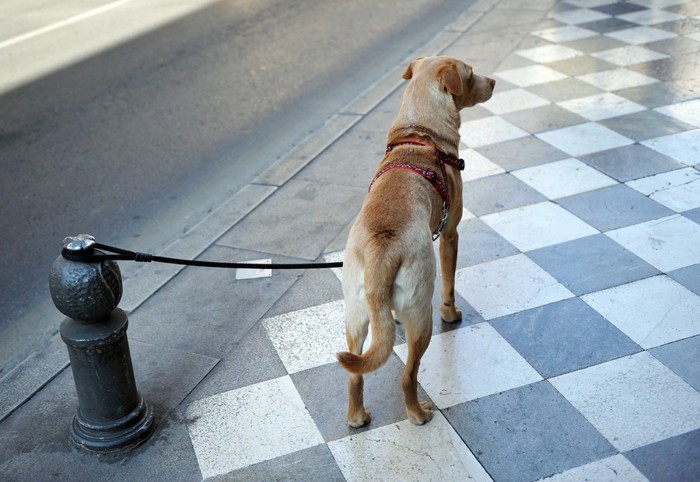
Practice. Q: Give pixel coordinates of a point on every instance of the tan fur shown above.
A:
(389, 260)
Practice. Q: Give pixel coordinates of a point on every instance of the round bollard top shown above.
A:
(85, 292)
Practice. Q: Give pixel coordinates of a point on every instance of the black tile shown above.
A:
(591, 264)
(619, 8)
(614, 207)
(670, 460)
(683, 26)
(565, 89)
(315, 463)
(630, 162)
(682, 357)
(521, 153)
(541, 119)
(595, 44)
(672, 68)
(688, 277)
(645, 125)
(563, 337)
(693, 214)
(498, 193)
(608, 25)
(324, 391)
(527, 433)
(482, 244)
(581, 65)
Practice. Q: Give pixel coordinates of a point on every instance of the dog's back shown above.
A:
(389, 265)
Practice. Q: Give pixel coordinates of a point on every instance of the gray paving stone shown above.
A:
(591, 264)
(527, 433)
(205, 310)
(614, 207)
(315, 463)
(674, 459)
(521, 153)
(486, 195)
(299, 221)
(565, 336)
(630, 162)
(681, 357)
(328, 406)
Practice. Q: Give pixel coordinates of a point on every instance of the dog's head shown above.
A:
(452, 77)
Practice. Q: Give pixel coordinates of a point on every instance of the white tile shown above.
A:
(470, 363)
(678, 190)
(613, 469)
(616, 79)
(538, 225)
(514, 100)
(633, 401)
(581, 15)
(489, 130)
(310, 337)
(477, 166)
(640, 35)
(549, 53)
(508, 285)
(683, 147)
(406, 452)
(467, 215)
(630, 55)
(652, 312)
(650, 17)
(667, 244)
(584, 139)
(529, 76)
(688, 111)
(601, 106)
(567, 33)
(245, 273)
(242, 427)
(666, 180)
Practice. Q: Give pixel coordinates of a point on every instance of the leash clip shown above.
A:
(443, 222)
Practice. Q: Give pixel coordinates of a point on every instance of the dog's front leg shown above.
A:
(449, 241)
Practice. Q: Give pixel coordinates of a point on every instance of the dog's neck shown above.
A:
(433, 115)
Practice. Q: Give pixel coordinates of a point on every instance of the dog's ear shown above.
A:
(409, 70)
(450, 80)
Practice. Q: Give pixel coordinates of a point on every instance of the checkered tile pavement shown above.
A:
(578, 275)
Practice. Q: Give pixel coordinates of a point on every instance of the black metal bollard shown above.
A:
(112, 415)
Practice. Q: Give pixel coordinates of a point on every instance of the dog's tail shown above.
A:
(378, 290)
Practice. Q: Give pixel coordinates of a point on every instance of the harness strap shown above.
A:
(432, 177)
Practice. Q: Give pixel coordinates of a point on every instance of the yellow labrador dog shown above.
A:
(415, 197)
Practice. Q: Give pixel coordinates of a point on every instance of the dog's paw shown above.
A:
(425, 416)
(450, 313)
(360, 421)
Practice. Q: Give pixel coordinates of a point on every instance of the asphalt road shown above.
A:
(137, 143)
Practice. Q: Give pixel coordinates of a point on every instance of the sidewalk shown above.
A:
(578, 276)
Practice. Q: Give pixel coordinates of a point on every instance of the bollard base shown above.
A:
(119, 435)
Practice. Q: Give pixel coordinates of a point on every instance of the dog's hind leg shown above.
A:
(418, 338)
(357, 415)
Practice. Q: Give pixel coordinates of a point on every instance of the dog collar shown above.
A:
(430, 175)
(449, 159)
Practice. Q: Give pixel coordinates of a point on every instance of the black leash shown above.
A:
(91, 256)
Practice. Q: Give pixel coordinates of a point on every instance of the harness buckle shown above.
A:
(443, 222)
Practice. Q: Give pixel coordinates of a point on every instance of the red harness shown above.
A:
(430, 175)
